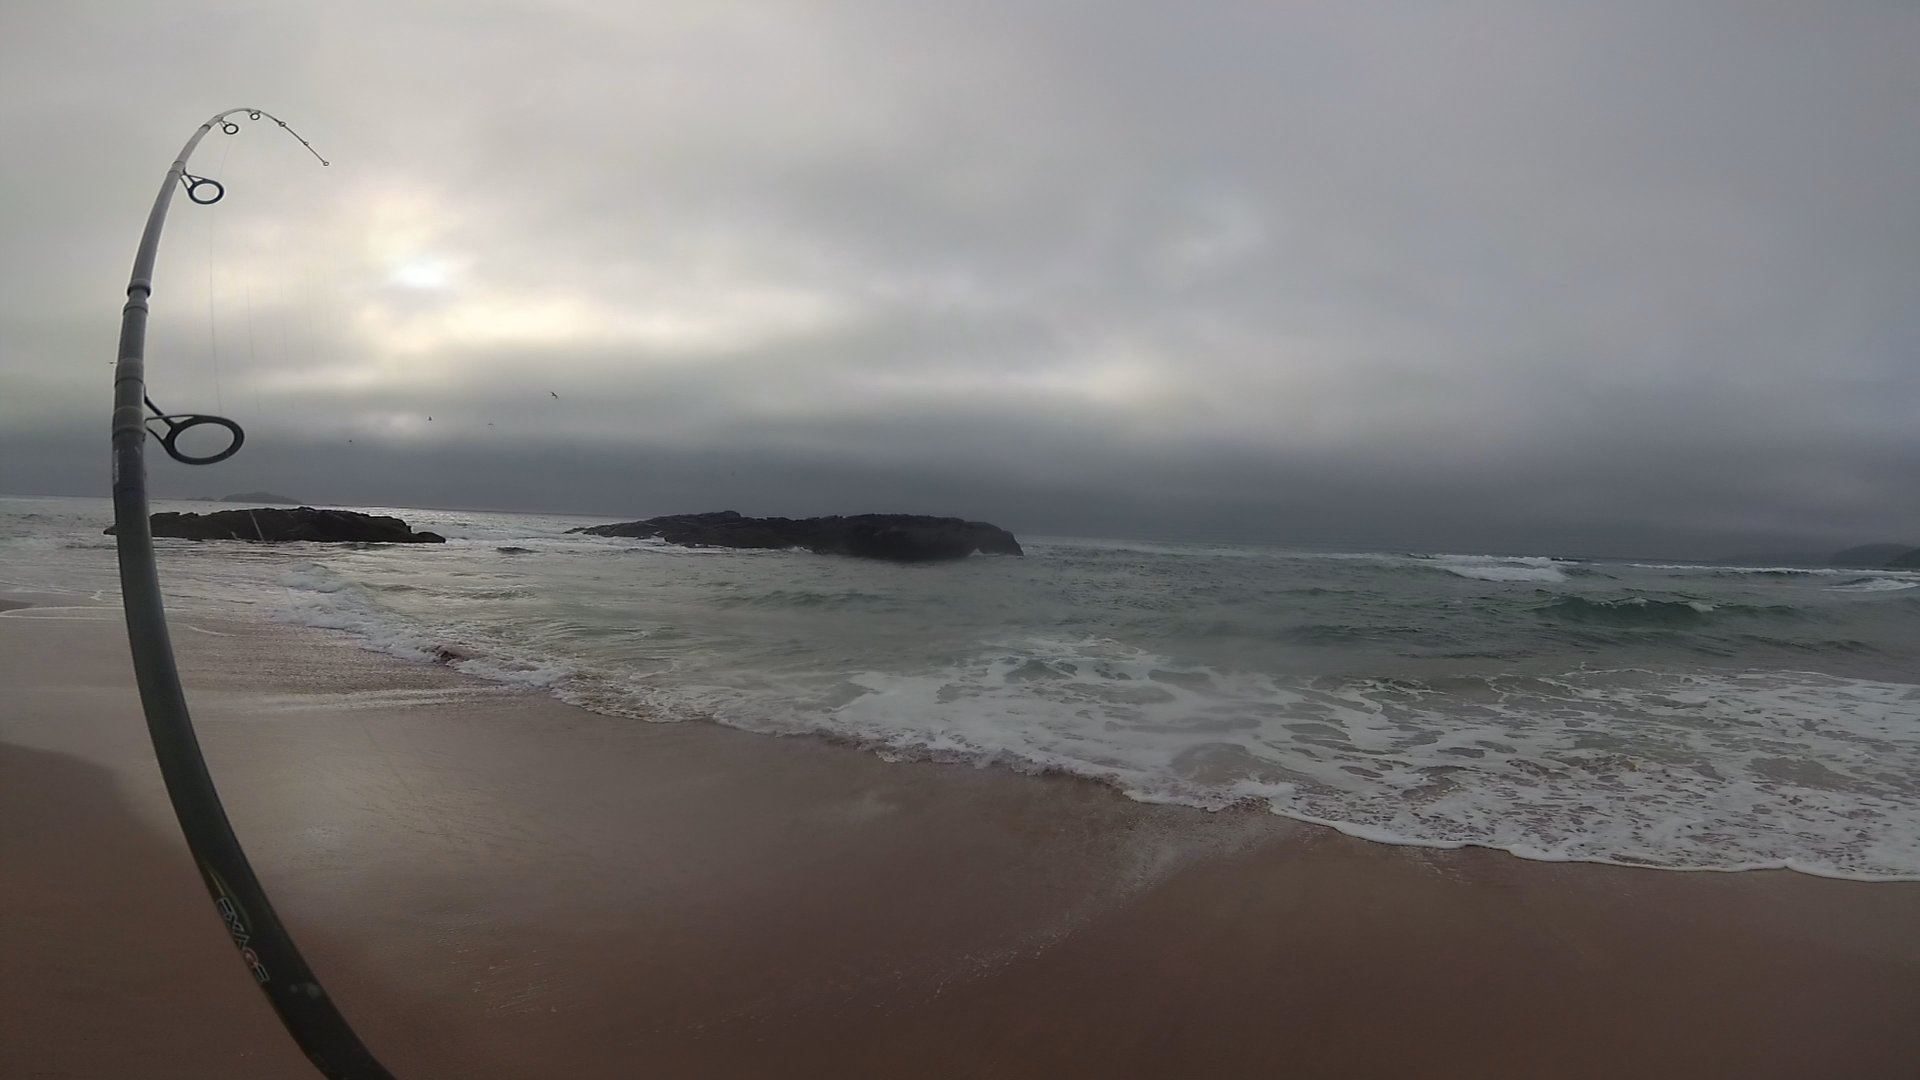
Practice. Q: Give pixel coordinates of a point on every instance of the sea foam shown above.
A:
(1498, 567)
(1879, 584)
(1681, 769)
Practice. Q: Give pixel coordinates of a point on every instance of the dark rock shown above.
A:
(895, 537)
(279, 526)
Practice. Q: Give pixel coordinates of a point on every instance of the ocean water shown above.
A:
(1667, 715)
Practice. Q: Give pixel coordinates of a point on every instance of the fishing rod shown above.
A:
(265, 947)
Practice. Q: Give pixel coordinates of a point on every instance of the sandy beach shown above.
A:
(495, 884)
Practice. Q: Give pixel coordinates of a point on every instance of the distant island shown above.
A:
(894, 537)
(261, 497)
(270, 526)
(1877, 557)
(1882, 556)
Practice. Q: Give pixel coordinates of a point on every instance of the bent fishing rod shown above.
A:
(265, 947)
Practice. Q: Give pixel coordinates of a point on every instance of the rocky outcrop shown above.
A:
(896, 537)
(280, 526)
(1878, 557)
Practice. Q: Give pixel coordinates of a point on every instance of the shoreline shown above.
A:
(450, 659)
(495, 883)
(454, 657)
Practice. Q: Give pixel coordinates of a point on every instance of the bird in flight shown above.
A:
(553, 395)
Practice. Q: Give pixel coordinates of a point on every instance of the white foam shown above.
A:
(318, 597)
(1879, 584)
(1788, 571)
(1714, 772)
(321, 598)
(1501, 568)
(1541, 568)
(1682, 771)
(519, 673)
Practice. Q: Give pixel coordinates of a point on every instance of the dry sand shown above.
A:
(493, 884)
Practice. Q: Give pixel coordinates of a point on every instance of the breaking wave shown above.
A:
(1642, 611)
(1553, 708)
(1500, 567)
(1878, 584)
(1683, 771)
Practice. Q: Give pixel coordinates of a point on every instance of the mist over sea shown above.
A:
(1672, 715)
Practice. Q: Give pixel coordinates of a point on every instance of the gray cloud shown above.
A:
(1501, 276)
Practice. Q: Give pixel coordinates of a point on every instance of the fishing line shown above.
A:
(265, 947)
(246, 292)
(213, 329)
(213, 344)
(252, 362)
(280, 327)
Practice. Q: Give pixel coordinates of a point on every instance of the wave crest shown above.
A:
(1500, 567)
(1876, 584)
(1646, 611)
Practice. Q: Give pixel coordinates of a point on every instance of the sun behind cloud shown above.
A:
(423, 272)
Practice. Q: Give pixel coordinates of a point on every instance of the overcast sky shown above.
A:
(1597, 278)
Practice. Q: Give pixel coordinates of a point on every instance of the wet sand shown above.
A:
(494, 884)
